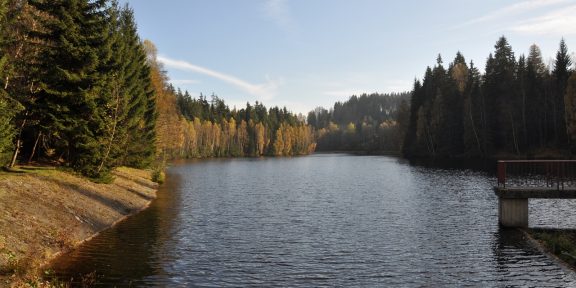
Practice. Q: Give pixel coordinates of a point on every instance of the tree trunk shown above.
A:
(112, 134)
(15, 154)
(34, 148)
(474, 128)
(18, 142)
(515, 140)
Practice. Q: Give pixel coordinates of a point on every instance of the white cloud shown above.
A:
(514, 9)
(263, 91)
(279, 12)
(560, 22)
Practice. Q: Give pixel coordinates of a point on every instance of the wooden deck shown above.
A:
(520, 180)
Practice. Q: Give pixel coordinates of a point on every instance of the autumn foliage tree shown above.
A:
(202, 127)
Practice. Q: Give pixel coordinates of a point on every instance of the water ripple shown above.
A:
(323, 221)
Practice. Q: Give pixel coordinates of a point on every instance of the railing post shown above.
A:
(502, 174)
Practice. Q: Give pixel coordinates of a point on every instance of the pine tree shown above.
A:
(136, 112)
(473, 114)
(73, 102)
(7, 129)
(540, 128)
(560, 76)
(20, 61)
(503, 121)
(410, 140)
(570, 102)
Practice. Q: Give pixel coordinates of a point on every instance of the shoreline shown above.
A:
(45, 213)
(543, 246)
(46, 264)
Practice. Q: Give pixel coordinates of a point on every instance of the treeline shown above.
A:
(371, 123)
(518, 107)
(80, 89)
(209, 128)
(75, 86)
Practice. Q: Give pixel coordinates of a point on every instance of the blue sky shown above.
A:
(307, 53)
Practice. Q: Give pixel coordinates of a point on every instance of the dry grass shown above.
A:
(44, 212)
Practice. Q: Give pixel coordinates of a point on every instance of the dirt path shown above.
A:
(45, 212)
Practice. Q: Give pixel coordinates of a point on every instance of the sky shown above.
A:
(308, 53)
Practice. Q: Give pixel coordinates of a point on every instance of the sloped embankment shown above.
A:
(44, 212)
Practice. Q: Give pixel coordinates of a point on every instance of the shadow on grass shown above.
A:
(111, 203)
(136, 180)
(135, 192)
(13, 170)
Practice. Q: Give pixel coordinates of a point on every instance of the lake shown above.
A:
(325, 220)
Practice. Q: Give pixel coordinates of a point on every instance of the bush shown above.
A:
(158, 175)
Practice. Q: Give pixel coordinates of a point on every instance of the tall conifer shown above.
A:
(72, 104)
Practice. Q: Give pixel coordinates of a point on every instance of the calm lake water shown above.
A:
(321, 221)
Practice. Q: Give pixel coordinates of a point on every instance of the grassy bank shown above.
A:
(45, 212)
(559, 242)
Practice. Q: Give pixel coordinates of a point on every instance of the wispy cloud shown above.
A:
(279, 12)
(264, 91)
(560, 22)
(515, 9)
(184, 81)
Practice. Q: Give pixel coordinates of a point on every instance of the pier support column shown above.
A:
(513, 212)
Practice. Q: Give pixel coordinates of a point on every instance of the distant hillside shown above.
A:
(368, 123)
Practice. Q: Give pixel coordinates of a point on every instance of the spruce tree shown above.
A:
(130, 135)
(539, 129)
(6, 126)
(570, 102)
(72, 104)
(503, 121)
(473, 114)
(560, 76)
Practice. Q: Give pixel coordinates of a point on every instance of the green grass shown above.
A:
(158, 176)
(561, 243)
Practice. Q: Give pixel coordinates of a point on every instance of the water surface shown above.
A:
(321, 221)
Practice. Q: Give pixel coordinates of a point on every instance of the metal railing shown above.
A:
(550, 174)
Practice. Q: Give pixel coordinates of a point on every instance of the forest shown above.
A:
(519, 108)
(75, 86)
(209, 128)
(81, 90)
(373, 123)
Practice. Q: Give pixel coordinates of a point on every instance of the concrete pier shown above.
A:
(513, 202)
(520, 180)
(513, 212)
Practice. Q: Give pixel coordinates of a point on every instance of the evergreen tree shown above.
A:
(473, 114)
(7, 130)
(539, 129)
(560, 76)
(501, 100)
(570, 102)
(73, 102)
(20, 61)
(136, 114)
